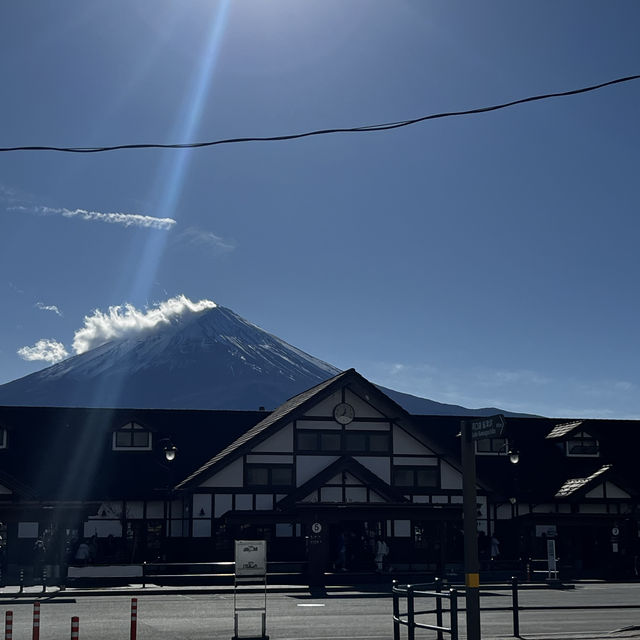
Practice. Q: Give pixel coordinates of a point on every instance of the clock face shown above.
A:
(344, 413)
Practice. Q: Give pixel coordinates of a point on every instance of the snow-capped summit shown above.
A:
(213, 359)
(204, 359)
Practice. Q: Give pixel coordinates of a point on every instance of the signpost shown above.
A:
(250, 567)
(472, 430)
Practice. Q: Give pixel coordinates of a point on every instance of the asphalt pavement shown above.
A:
(578, 611)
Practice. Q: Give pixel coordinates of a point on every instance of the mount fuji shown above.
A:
(213, 359)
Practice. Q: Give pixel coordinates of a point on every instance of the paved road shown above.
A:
(344, 615)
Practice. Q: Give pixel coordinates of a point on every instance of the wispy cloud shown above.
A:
(123, 320)
(15, 288)
(47, 350)
(124, 219)
(48, 307)
(207, 239)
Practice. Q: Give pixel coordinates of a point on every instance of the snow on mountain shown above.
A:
(213, 359)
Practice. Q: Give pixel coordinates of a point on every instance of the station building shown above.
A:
(321, 478)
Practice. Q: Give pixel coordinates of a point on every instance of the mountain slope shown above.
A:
(209, 360)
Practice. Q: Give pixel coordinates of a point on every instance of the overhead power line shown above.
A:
(320, 132)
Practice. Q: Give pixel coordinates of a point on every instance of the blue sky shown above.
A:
(480, 260)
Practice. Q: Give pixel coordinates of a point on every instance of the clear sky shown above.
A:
(480, 260)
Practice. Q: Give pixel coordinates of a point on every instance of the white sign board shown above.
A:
(551, 556)
(251, 558)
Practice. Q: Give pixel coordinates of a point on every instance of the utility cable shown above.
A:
(319, 132)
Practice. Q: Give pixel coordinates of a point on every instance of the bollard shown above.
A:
(44, 580)
(8, 626)
(516, 610)
(75, 628)
(21, 580)
(36, 621)
(134, 618)
(454, 613)
(438, 582)
(411, 628)
(396, 610)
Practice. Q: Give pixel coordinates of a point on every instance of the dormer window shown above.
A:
(582, 444)
(132, 437)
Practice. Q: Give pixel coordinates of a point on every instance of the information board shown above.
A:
(251, 558)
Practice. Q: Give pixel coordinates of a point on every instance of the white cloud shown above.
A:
(124, 219)
(48, 350)
(123, 320)
(49, 307)
(207, 239)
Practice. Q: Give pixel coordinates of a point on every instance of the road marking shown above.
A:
(310, 605)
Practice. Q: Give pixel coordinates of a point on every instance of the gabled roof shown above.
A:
(290, 410)
(562, 430)
(573, 485)
(344, 463)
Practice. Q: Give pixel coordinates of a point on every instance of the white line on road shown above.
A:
(310, 605)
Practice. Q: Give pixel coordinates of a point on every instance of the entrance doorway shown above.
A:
(352, 545)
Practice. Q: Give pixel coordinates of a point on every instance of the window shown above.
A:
(308, 440)
(416, 477)
(349, 441)
(367, 441)
(492, 446)
(268, 475)
(132, 437)
(582, 444)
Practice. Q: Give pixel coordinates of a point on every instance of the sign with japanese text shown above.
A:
(251, 558)
(489, 427)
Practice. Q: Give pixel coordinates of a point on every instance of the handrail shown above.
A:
(408, 619)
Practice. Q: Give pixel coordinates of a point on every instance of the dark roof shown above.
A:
(58, 453)
(575, 484)
(562, 430)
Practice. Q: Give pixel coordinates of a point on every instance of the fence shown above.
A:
(436, 590)
(408, 618)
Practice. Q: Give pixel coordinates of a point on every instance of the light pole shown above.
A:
(470, 515)
(471, 430)
(170, 452)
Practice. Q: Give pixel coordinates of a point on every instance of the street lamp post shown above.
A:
(170, 451)
(471, 430)
(470, 514)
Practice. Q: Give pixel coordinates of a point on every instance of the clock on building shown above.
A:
(344, 413)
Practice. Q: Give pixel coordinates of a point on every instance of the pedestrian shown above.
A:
(82, 554)
(382, 551)
(495, 548)
(39, 551)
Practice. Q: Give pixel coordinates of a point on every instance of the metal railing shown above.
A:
(408, 617)
(163, 571)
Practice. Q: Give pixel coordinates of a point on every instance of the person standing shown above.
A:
(382, 551)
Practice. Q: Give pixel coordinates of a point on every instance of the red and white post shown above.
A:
(8, 626)
(75, 628)
(134, 618)
(36, 621)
